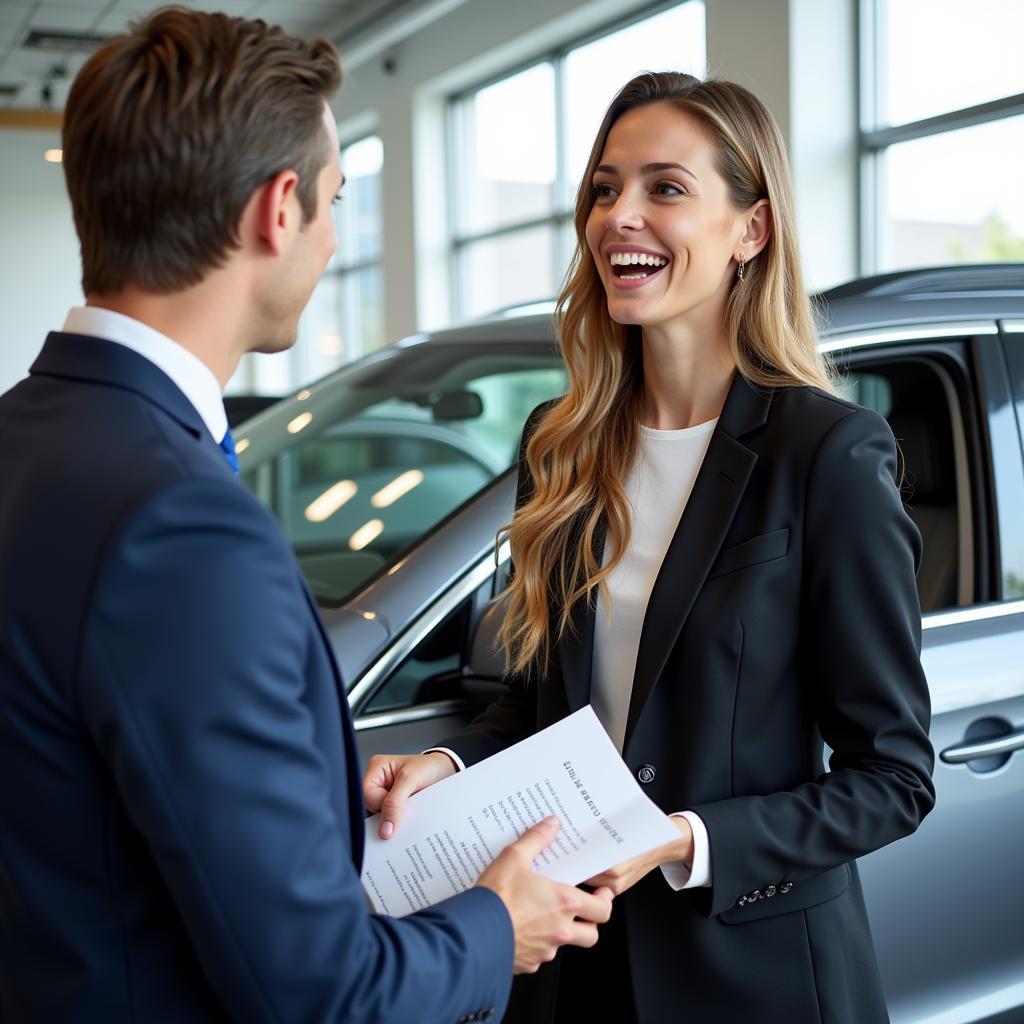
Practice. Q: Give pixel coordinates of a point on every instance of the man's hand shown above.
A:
(391, 779)
(545, 914)
(625, 875)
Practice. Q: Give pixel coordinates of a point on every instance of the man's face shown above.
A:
(302, 265)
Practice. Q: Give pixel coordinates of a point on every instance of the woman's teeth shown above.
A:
(638, 259)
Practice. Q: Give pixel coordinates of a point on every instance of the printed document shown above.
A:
(452, 830)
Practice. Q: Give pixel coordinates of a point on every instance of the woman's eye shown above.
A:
(601, 191)
(669, 188)
(337, 197)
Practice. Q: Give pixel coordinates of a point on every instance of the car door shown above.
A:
(945, 904)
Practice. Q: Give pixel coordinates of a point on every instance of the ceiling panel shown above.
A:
(66, 17)
(16, 17)
(107, 17)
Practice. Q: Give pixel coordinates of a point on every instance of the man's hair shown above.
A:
(170, 128)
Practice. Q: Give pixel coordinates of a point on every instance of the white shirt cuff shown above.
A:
(680, 875)
(451, 753)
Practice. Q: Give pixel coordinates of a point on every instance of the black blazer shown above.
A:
(786, 611)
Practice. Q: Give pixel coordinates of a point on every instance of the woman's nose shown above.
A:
(626, 212)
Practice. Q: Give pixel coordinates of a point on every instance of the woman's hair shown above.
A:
(578, 456)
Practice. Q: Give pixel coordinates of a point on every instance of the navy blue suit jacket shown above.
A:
(181, 817)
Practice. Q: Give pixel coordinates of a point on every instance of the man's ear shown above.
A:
(277, 211)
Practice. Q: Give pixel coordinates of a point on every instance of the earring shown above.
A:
(739, 269)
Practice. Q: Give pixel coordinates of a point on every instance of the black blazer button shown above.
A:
(786, 886)
(770, 891)
(646, 773)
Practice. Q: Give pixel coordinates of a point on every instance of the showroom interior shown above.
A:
(388, 444)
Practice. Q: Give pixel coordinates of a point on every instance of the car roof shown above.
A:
(947, 294)
(919, 295)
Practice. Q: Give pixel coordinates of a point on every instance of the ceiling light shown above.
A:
(330, 501)
(391, 492)
(366, 534)
(301, 421)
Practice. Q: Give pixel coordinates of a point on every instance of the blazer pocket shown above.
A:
(809, 893)
(765, 548)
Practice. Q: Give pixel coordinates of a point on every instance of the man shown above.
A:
(180, 814)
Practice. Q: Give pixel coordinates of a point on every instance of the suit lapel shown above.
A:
(81, 357)
(709, 513)
(357, 811)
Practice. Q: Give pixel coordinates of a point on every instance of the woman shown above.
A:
(710, 547)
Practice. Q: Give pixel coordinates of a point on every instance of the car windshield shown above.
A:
(359, 467)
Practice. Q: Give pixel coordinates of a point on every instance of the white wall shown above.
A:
(39, 266)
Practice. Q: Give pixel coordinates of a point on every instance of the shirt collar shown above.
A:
(192, 376)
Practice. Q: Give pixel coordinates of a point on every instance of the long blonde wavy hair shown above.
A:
(580, 453)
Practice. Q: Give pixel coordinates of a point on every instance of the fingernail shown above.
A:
(551, 821)
(387, 830)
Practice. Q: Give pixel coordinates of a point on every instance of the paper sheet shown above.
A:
(452, 830)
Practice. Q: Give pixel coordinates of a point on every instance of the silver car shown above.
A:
(393, 476)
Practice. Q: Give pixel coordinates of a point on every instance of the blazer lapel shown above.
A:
(709, 513)
(576, 648)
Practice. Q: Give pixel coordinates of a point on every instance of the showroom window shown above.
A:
(343, 319)
(519, 144)
(942, 132)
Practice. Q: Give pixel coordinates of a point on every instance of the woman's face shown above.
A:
(662, 230)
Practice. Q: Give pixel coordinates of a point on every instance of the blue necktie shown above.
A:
(227, 446)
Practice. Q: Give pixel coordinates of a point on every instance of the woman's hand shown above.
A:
(391, 779)
(625, 875)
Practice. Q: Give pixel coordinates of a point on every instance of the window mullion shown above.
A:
(455, 152)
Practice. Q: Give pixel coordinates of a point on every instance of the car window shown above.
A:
(918, 398)
(872, 390)
(368, 462)
(432, 671)
(1013, 568)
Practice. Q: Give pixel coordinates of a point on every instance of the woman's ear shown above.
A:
(758, 228)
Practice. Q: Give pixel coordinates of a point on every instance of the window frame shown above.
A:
(874, 139)
(561, 217)
(343, 272)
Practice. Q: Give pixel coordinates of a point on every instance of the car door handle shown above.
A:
(985, 748)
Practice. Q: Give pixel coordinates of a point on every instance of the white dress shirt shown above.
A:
(193, 377)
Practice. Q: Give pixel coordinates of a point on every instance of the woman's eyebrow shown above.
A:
(649, 169)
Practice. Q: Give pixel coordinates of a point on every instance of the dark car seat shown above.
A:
(921, 424)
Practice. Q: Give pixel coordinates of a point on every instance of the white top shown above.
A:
(658, 489)
(193, 377)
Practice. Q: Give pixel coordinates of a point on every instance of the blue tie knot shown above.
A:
(227, 446)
